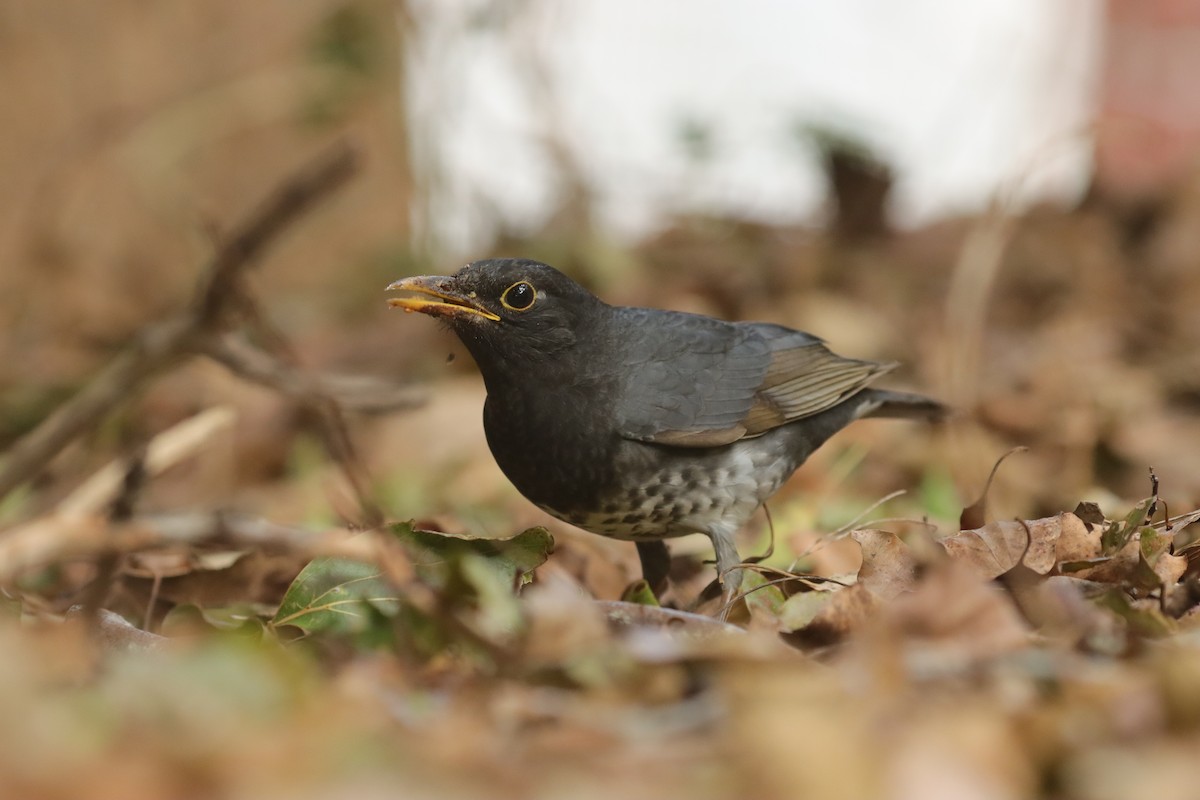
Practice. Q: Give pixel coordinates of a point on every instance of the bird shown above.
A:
(644, 424)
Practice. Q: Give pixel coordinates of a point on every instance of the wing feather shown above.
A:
(694, 381)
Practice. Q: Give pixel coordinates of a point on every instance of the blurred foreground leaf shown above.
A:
(436, 555)
(475, 578)
(639, 592)
(331, 595)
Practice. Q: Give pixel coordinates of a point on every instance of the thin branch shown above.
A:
(120, 511)
(59, 537)
(323, 412)
(151, 353)
(288, 202)
(363, 394)
(177, 443)
(163, 345)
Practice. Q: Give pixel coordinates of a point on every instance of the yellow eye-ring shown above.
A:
(519, 296)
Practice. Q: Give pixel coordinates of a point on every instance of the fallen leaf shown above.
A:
(954, 618)
(991, 550)
(331, 595)
(888, 566)
(513, 559)
(816, 619)
(1076, 540)
(997, 547)
(1142, 563)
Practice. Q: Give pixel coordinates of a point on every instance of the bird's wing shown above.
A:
(698, 382)
(805, 378)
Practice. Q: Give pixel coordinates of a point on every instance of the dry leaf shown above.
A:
(816, 619)
(953, 618)
(888, 566)
(996, 548)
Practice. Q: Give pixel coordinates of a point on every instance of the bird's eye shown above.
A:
(519, 296)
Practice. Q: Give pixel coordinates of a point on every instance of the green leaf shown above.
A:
(332, 594)
(760, 596)
(241, 620)
(476, 579)
(639, 592)
(513, 560)
(1153, 543)
(497, 613)
(1118, 534)
(1144, 620)
(801, 609)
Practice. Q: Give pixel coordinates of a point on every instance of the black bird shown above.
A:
(642, 424)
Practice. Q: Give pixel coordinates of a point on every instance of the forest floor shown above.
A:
(262, 550)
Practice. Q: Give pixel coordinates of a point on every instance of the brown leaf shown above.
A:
(954, 618)
(1090, 513)
(1076, 541)
(991, 550)
(1059, 606)
(998, 547)
(1156, 553)
(1170, 568)
(1142, 563)
(888, 566)
(820, 618)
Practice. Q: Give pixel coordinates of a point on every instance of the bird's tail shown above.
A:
(900, 405)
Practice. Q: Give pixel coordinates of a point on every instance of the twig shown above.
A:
(152, 352)
(341, 448)
(289, 201)
(59, 537)
(351, 392)
(120, 511)
(1178, 523)
(167, 343)
(324, 414)
(165, 450)
(850, 526)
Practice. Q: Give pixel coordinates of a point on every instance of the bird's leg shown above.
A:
(656, 564)
(728, 564)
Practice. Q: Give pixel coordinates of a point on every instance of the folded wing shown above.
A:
(700, 382)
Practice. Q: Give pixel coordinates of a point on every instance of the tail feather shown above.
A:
(900, 405)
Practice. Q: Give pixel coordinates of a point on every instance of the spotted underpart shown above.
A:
(682, 497)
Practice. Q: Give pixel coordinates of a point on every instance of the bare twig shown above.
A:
(167, 343)
(166, 449)
(351, 392)
(288, 202)
(324, 414)
(120, 511)
(152, 352)
(59, 537)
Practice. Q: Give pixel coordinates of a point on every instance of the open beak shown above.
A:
(446, 302)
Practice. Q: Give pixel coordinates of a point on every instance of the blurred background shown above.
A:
(1001, 195)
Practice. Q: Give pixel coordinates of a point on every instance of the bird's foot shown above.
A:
(731, 583)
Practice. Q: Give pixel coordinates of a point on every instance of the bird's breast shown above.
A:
(554, 444)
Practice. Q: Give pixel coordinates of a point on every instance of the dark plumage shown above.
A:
(642, 424)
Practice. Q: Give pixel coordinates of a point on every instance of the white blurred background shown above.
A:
(707, 106)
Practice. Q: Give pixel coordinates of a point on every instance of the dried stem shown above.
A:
(57, 537)
(364, 394)
(163, 345)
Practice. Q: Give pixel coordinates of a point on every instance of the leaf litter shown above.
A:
(315, 652)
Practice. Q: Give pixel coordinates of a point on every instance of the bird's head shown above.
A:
(508, 312)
